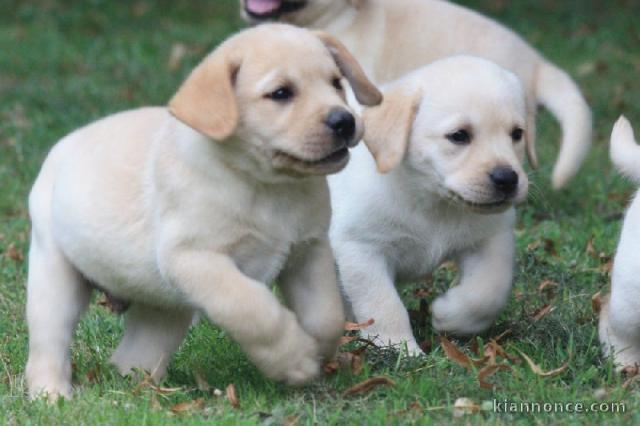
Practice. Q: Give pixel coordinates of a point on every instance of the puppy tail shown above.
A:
(560, 94)
(625, 153)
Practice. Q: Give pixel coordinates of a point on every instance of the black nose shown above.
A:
(505, 180)
(342, 124)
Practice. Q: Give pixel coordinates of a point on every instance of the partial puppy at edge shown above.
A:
(619, 325)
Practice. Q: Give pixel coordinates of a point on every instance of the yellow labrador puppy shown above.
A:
(620, 315)
(451, 137)
(199, 206)
(393, 37)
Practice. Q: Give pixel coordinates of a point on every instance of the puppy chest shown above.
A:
(258, 258)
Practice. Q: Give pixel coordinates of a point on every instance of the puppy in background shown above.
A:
(619, 326)
(393, 37)
(199, 207)
(450, 138)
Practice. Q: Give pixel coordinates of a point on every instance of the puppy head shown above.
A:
(458, 124)
(299, 12)
(275, 92)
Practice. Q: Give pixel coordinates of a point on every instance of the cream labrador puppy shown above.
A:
(620, 314)
(393, 37)
(199, 206)
(450, 138)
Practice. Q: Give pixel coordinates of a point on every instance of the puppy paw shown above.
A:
(453, 315)
(50, 391)
(292, 357)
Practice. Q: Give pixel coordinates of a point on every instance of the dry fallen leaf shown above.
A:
(540, 313)
(291, 420)
(547, 285)
(14, 254)
(455, 354)
(352, 326)
(232, 396)
(538, 371)
(596, 302)
(197, 404)
(489, 371)
(367, 385)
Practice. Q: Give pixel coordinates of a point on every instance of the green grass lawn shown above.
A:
(64, 63)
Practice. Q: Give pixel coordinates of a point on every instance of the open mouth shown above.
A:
(271, 9)
(489, 207)
(333, 160)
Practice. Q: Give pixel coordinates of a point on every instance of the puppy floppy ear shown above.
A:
(388, 126)
(530, 139)
(206, 100)
(366, 92)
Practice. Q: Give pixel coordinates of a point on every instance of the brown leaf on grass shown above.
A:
(493, 350)
(540, 313)
(607, 266)
(547, 285)
(291, 420)
(368, 385)
(92, 374)
(454, 353)
(14, 254)
(352, 326)
(232, 396)
(550, 247)
(590, 249)
(331, 367)
(346, 340)
(633, 374)
(596, 302)
(535, 368)
(489, 371)
(501, 336)
(182, 407)
(357, 365)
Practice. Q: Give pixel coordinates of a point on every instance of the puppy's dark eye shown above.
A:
(282, 94)
(337, 83)
(517, 134)
(460, 137)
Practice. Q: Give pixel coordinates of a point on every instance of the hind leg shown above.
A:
(151, 336)
(57, 295)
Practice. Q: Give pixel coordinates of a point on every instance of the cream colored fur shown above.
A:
(202, 216)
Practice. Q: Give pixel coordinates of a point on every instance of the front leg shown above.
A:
(310, 288)
(247, 309)
(486, 275)
(368, 284)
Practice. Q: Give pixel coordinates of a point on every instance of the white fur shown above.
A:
(620, 315)
(397, 227)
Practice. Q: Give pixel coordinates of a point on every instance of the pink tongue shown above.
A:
(261, 7)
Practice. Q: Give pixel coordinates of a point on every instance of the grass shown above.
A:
(64, 63)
